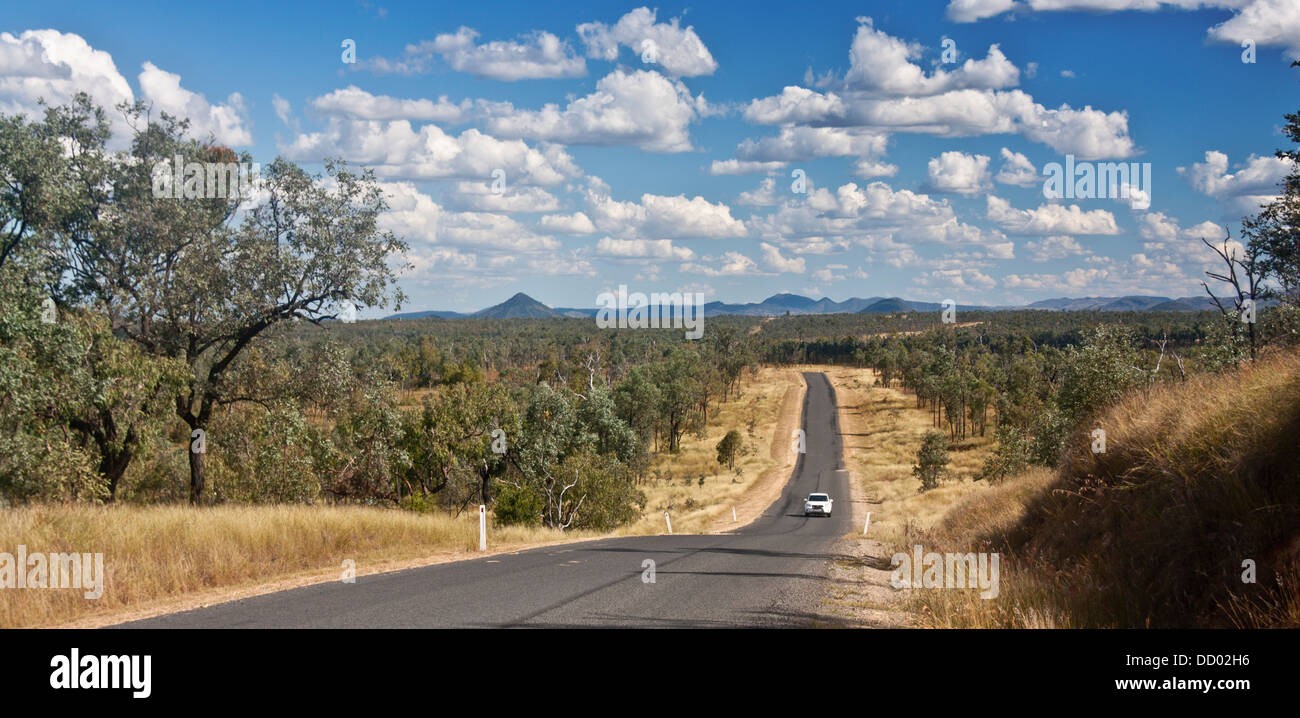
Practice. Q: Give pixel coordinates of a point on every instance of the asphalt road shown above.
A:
(768, 573)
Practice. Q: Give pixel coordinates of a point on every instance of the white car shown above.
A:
(819, 504)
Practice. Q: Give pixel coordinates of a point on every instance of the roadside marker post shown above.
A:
(868, 524)
(482, 527)
(669, 522)
(733, 514)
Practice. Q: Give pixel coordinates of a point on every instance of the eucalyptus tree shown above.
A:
(680, 387)
(107, 397)
(33, 187)
(453, 441)
(203, 279)
(42, 384)
(637, 400)
(566, 456)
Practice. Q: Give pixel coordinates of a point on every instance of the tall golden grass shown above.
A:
(153, 553)
(1197, 479)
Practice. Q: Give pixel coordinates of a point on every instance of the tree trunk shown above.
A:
(113, 461)
(112, 465)
(196, 476)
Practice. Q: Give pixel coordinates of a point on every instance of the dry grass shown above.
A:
(881, 430)
(1197, 478)
(772, 400)
(154, 554)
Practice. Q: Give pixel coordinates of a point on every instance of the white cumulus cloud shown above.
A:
(678, 50)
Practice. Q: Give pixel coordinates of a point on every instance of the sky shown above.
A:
(892, 148)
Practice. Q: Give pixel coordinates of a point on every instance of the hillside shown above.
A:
(1197, 484)
(893, 305)
(520, 306)
(431, 313)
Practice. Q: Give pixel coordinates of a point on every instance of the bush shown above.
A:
(728, 448)
(366, 459)
(520, 506)
(419, 502)
(609, 499)
(1098, 373)
(1281, 325)
(1051, 432)
(1010, 458)
(931, 460)
(257, 457)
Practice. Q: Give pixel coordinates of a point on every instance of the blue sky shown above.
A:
(668, 166)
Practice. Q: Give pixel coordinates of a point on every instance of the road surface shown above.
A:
(769, 573)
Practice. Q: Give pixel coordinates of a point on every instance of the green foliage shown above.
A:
(76, 402)
(186, 278)
(364, 458)
(931, 460)
(1010, 457)
(598, 418)
(1051, 430)
(1225, 345)
(681, 382)
(728, 448)
(1097, 373)
(420, 503)
(1280, 325)
(449, 441)
(518, 505)
(260, 456)
(42, 384)
(559, 457)
(606, 497)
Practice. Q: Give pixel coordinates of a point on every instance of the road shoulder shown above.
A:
(857, 593)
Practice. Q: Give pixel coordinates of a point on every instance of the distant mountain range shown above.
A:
(1126, 304)
(522, 306)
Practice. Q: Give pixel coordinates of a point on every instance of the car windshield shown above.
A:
(818, 497)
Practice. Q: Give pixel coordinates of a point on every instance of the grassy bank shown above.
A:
(1197, 480)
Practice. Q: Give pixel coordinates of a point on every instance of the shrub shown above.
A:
(257, 456)
(931, 460)
(728, 448)
(1011, 456)
(516, 505)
